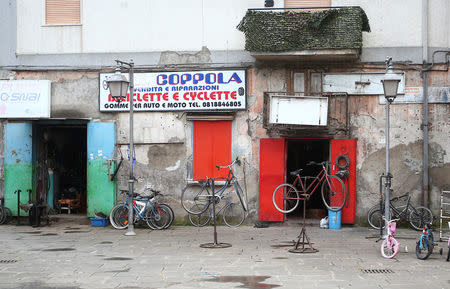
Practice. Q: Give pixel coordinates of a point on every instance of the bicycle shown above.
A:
(146, 208)
(5, 213)
(416, 216)
(196, 198)
(333, 191)
(233, 214)
(390, 246)
(425, 245)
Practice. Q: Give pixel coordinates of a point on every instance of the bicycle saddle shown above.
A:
(295, 173)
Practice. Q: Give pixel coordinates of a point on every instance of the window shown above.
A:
(62, 12)
(305, 83)
(306, 3)
(212, 146)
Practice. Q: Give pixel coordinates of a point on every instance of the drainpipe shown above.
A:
(425, 101)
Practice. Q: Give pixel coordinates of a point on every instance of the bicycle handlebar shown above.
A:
(236, 161)
(316, 163)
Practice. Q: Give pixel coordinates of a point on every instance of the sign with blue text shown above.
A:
(25, 98)
(222, 90)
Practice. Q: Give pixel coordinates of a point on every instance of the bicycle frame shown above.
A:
(317, 180)
(140, 213)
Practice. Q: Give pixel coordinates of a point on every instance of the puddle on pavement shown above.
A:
(71, 232)
(106, 242)
(280, 258)
(32, 232)
(58, 250)
(251, 282)
(118, 259)
(72, 228)
(119, 271)
(50, 234)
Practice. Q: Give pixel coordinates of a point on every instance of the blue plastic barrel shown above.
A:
(334, 220)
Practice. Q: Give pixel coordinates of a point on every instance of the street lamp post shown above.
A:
(390, 87)
(118, 86)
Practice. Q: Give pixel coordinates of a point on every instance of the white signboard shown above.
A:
(25, 98)
(299, 110)
(358, 83)
(180, 91)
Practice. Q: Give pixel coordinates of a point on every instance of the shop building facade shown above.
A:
(80, 135)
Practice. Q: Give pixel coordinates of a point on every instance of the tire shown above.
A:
(340, 165)
(200, 220)
(419, 217)
(159, 217)
(375, 219)
(171, 214)
(8, 215)
(117, 215)
(389, 247)
(240, 194)
(424, 251)
(233, 215)
(334, 194)
(195, 198)
(289, 197)
(2, 215)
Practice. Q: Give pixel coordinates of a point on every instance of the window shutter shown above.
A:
(62, 12)
(306, 3)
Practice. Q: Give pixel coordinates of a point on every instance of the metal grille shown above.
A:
(377, 271)
(8, 261)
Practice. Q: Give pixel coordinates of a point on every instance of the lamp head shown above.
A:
(390, 81)
(118, 85)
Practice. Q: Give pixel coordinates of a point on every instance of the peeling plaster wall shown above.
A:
(367, 125)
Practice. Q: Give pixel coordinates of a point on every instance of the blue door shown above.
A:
(100, 151)
(18, 164)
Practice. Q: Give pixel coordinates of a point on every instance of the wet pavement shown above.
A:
(81, 256)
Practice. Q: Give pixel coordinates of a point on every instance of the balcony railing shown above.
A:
(287, 31)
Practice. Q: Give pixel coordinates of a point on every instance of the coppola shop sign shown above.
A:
(180, 91)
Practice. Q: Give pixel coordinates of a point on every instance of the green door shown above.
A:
(100, 151)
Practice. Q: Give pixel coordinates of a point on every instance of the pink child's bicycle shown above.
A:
(390, 246)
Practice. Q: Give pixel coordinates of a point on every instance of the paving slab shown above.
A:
(81, 256)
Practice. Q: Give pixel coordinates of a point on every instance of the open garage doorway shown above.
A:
(60, 173)
(299, 152)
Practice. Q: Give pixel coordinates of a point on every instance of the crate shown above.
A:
(99, 222)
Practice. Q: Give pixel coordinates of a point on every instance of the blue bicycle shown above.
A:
(157, 215)
(425, 245)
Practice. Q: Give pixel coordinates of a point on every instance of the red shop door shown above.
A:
(339, 149)
(271, 174)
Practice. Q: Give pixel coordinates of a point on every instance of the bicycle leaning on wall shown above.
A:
(197, 198)
(417, 216)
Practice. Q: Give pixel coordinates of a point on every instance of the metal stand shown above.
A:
(303, 236)
(215, 244)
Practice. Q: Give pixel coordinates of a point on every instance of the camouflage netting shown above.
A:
(292, 31)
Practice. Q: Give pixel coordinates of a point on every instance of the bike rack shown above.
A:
(215, 244)
(303, 236)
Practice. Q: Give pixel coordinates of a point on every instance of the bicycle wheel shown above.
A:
(240, 194)
(159, 217)
(389, 247)
(8, 215)
(2, 216)
(172, 215)
(420, 216)
(200, 220)
(285, 198)
(424, 248)
(195, 198)
(233, 215)
(118, 217)
(334, 193)
(375, 219)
